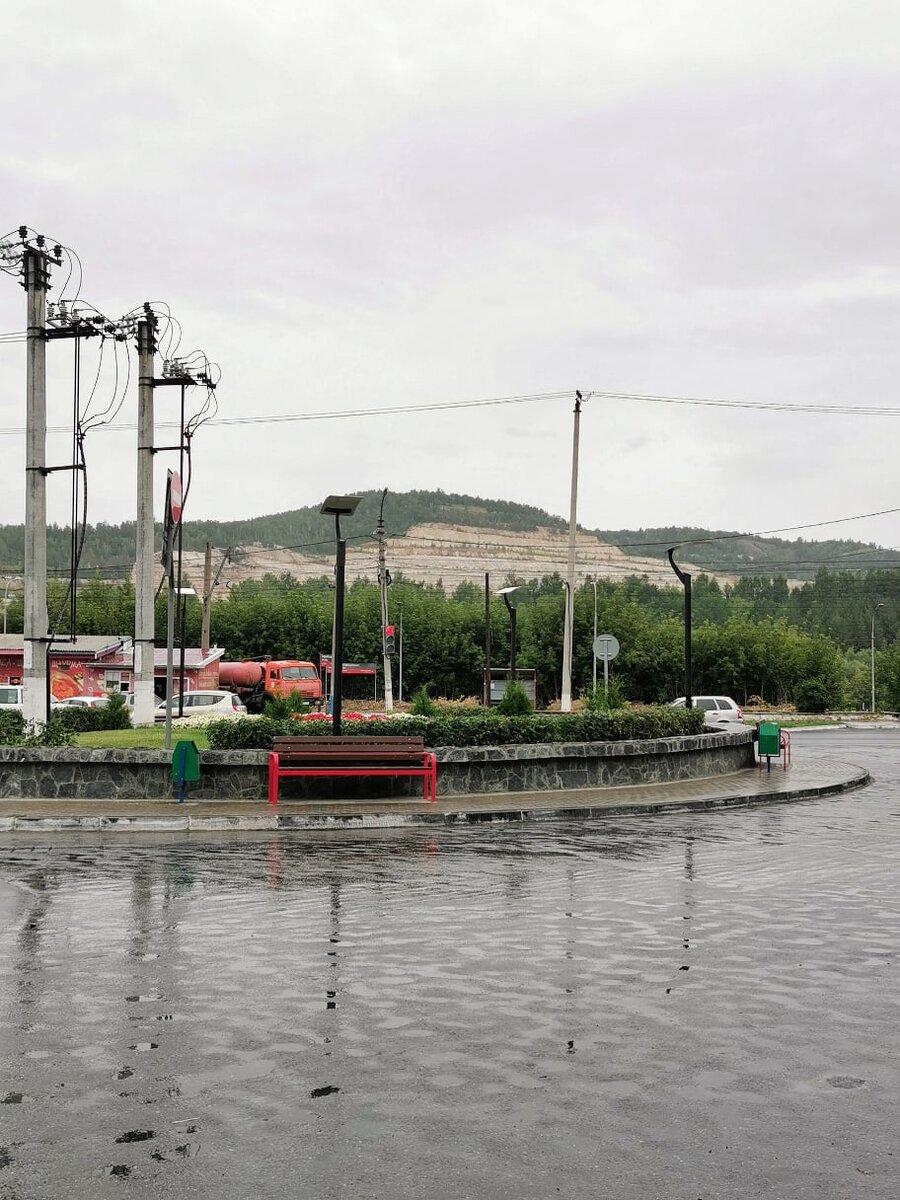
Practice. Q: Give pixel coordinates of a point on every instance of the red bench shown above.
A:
(292, 757)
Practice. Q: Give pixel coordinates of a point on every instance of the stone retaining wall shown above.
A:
(50, 773)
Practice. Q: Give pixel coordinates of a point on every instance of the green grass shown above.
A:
(797, 722)
(140, 739)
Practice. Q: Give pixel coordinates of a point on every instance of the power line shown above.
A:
(854, 410)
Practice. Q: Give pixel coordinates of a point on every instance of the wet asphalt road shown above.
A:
(687, 1005)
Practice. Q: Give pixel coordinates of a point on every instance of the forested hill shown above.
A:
(110, 548)
(727, 552)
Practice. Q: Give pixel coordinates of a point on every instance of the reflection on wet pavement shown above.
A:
(696, 1005)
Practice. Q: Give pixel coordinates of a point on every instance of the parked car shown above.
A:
(211, 703)
(84, 701)
(11, 696)
(717, 710)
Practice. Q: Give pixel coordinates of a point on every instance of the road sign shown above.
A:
(606, 646)
(175, 501)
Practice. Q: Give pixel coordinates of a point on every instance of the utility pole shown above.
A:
(487, 640)
(8, 579)
(872, 653)
(209, 587)
(143, 583)
(565, 704)
(384, 579)
(35, 704)
(207, 601)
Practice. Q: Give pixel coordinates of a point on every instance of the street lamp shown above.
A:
(594, 582)
(872, 651)
(337, 507)
(170, 653)
(507, 593)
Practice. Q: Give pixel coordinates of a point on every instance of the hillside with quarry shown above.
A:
(436, 537)
(435, 553)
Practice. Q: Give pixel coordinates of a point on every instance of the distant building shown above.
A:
(94, 665)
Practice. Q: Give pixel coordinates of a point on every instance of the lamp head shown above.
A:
(340, 506)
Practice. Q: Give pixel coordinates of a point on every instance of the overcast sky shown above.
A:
(356, 206)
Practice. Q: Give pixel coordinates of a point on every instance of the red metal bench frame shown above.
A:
(353, 753)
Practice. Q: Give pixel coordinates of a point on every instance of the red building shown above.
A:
(95, 665)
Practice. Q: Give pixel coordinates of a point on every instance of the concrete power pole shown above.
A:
(35, 657)
(383, 578)
(568, 628)
(143, 588)
(207, 601)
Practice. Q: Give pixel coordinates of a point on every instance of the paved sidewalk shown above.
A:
(826, 775)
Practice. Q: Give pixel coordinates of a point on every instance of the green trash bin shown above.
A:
(185, 766)
(769, 742)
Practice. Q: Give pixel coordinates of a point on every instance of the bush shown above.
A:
(54, 733)
(245, 733)
(597, 699)
(12, 727)
(474, 727)
(115, 714)
(282, 708)
(515, 701)
(422, 704)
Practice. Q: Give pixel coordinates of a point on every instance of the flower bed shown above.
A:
(471, 727)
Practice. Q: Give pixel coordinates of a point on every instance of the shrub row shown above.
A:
(475, 728)
(64, 723)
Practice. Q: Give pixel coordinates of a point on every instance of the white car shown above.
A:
(84, 702)
(11, 696)
(717, 710)
(203, 703)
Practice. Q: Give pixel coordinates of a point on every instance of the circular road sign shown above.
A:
(175, 500)
(606, 646)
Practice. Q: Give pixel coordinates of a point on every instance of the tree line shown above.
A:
(809, 646)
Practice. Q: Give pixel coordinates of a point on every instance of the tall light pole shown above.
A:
(337, 507)
(594, 652)
(384, 579)
(400, 656)
(565, 703)
(507, 593)
(685, 578)
(872, 651)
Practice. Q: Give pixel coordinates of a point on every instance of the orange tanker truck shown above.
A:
(259, 680)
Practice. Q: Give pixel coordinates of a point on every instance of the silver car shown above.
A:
(717, 710)
(207, 703)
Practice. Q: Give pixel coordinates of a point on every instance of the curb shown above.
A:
(278, 821)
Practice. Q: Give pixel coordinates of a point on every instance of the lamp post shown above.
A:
(170, 654)
(565, 702)
(400, 656)
(685, 579)
(594, 582)
(872, 651)
(507, 593)
(337, 507)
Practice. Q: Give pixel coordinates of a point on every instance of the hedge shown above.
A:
(474, 728)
